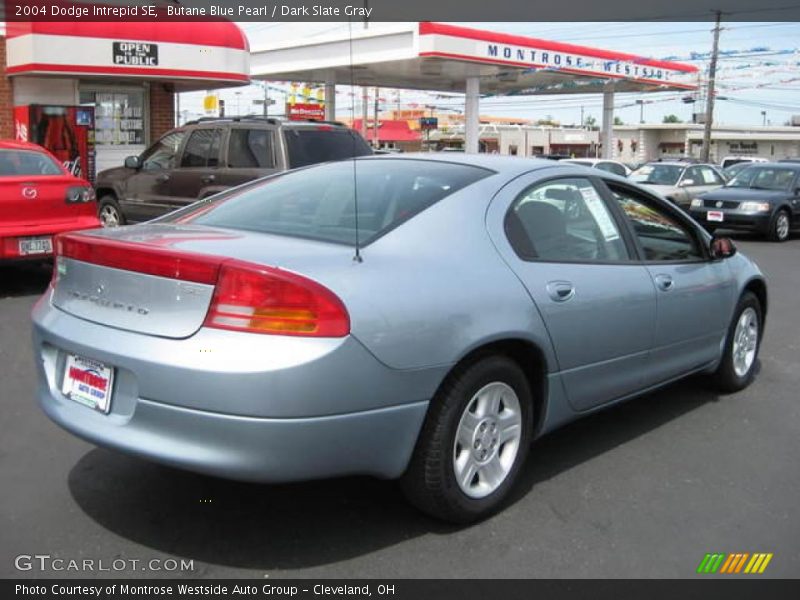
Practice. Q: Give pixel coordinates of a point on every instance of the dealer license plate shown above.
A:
(35, 245)
(88, 382)
(715, 215)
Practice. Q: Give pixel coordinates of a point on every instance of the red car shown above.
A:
(38, 199)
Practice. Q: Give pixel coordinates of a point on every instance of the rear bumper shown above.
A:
(11, 234)
(257, 408)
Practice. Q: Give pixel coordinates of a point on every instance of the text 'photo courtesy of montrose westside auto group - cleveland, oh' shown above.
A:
(399, 299)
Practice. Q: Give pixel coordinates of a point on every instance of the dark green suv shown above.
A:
(207, 156)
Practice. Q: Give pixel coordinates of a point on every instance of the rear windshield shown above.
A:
(27, 162)
(318, 202)
(309, 146)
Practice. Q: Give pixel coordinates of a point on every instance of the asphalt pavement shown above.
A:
(645, 489)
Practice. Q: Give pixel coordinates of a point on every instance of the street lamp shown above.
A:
(641, 110)
(764, 117)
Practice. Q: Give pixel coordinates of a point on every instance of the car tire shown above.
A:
(470, 433)
(742, 343)
(780, 226)
(109, 212)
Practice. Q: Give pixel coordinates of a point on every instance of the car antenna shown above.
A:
(357, 257)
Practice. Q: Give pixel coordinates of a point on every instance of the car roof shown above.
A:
(506, 165)
(18, 145)
(776, 165)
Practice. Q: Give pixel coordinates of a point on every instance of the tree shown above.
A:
(671, 119)
(618, 121)
(590, 122)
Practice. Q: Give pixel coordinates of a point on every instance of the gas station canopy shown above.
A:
(446, 58)
(435, 56)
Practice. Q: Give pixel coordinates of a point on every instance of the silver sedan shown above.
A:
(416, 317)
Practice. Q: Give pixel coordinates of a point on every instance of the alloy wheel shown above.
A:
(487, 439)
(745, 342)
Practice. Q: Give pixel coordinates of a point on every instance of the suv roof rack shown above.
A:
(236, 119)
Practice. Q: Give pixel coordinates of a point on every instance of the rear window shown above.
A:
(27, 162)
(318, 203)
(309, 146)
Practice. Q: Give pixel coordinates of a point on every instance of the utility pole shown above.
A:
(581, 117)
(712, 77)
(375, 139)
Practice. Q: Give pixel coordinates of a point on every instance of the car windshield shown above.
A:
(319, 202)
(309, 146)
(27, 162)
(763, 178)
(657, 174)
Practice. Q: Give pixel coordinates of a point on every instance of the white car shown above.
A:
(610, 166)
(729, 161)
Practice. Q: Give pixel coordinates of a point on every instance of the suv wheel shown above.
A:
(474, 442)
(109, 212)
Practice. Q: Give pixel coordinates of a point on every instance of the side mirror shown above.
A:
(133, 162)
(687, 182)
(722, 247)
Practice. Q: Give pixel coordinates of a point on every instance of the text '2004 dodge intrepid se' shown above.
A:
(480, 303)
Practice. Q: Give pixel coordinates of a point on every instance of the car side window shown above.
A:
(564, 220)
(695, 174)
(202, 149)
(662, 236)
(162, 154)
(709, 176)
(250, 149)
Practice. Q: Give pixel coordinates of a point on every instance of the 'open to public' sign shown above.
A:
(135, 54)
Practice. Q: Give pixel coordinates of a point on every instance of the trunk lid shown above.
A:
(40, 199)
(159, 279)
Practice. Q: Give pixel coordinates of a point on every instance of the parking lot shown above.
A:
(643, 490)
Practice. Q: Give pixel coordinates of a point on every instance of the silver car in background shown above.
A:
(481, 302)
(679, 182)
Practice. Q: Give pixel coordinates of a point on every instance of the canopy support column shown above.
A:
(330, 98)
(608, 123)
(472, 115)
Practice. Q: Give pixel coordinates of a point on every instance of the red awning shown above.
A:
(193, 55)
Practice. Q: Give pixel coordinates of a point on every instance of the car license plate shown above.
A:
(35, 245)
(89, 382)
(715, 215)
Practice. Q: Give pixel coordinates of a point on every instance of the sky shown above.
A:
(759, 71)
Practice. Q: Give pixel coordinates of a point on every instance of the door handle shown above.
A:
(561, 291)
(209, 179)
(664, 282)
(162, 178)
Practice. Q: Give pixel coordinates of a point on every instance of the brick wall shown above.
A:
(162, 109)
(6, 97)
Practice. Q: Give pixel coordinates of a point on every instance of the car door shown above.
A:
(694, 293)
(598, 303)
(250, 154)
(146, 192)
(198, 167)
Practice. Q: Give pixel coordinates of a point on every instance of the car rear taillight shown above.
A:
(162, 262)
(267, 300)
(78, 194)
